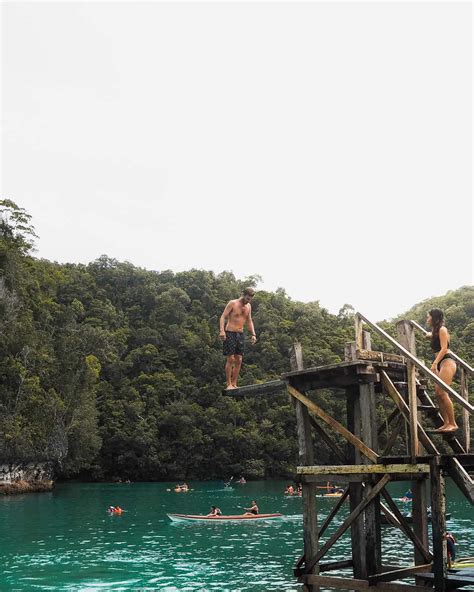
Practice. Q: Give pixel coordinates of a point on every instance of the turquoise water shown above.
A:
(66, 541)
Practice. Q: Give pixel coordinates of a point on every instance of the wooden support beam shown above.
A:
(306, 457)
(376, 356)
(405, 411)
(438, 525)
(396, 431)
(340, 583)
(406, 527)
(333, 512)
(335, 425)
(348, 521)
(420, 517)
(399, 574)
(434, 377)
(395, 413)
(462, 478)
(332, 565)
(413, 411)
(327, 440)
(363, 469)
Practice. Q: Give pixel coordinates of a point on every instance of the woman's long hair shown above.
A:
(437, 319)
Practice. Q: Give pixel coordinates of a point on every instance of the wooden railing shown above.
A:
(424, 370)
(464, 365)
(466, 370)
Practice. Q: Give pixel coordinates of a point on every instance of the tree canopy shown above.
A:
(116, 371)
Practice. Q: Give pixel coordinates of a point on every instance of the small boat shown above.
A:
(236, 518)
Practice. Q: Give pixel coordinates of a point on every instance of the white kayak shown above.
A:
(236, 518)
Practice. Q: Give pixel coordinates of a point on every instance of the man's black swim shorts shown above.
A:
(233, 344)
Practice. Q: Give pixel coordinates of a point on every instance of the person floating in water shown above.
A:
(451, 544)
(237, 313)
(408, 496)
(444, 365)
(252, 510)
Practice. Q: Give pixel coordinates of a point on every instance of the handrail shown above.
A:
(464, 402)
(459, 360)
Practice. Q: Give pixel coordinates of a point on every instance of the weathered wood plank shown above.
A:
(340, 583)
(306, 457)
(420, 517)
(438, 525)
(348, 521)
(335, 425)
(434, 377)
(462, 479)
(376, 356)
(333, 512)
(327, 440)
(332, 565)
(362, 469)
(399, 574)
(264, 388)
(396, 431)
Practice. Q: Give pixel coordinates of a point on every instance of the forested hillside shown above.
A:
(115, 371)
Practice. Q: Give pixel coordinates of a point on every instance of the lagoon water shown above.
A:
(65, 540)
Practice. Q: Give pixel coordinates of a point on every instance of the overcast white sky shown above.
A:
(324, 146)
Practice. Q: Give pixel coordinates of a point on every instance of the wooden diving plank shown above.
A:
(263, 388)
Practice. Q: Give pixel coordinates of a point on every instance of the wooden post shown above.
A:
(373, 539)
(466, 429)
(306, 458)
(438, 522)
(366, 340)
(358, 332)
(355, 489)
(406, 336)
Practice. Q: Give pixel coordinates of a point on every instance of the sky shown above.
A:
(326, 147)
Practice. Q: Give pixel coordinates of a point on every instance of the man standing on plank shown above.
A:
(237, 313)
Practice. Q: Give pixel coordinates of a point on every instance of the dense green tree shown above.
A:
(114, 371)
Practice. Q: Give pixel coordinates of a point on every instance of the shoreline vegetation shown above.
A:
(107, 369)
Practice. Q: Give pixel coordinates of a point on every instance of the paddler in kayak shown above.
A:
(252, 510)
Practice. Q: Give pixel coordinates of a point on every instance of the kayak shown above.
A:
(236, 518)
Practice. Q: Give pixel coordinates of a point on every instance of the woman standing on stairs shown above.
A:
(444, 366)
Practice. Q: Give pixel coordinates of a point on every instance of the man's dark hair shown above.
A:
(248, 292)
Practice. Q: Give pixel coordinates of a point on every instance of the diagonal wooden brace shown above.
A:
(347, 522)
(335, 425)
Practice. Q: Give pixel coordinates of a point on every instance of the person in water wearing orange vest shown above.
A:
(237, 313)
(253, 509)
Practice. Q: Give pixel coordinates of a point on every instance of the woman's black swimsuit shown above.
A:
(436, 346)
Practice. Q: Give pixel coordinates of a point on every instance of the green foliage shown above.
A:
(116, 371)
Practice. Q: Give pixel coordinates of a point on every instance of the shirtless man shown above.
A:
(237, 313)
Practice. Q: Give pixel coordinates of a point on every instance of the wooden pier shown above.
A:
(366, 463)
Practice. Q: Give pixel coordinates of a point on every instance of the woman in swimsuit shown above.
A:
(444, 366)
